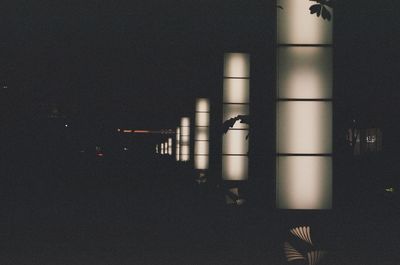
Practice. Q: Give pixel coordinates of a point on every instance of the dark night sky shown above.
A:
(118, 60)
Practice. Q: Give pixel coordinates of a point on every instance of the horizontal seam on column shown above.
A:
(304, 99)
(304, 45)
(304, 154)
(233, 77)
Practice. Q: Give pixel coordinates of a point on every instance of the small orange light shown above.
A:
(140, 131)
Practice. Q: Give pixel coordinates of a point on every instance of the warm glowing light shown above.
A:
(202, 133)
(304, 182)
(202, 105)
(305, 72)
(234, 167)
(304, 127)
(233, 110)
(297, 26)
(127, 131)
(201, 162)
(201, 148)
(202, 119)
(185, 139)
(236, 90)
(178, 144)
(201, 144)
(303, 108)
(234, 142)
(185, 122)
(140, 131)
(236, 95)
(237, 65)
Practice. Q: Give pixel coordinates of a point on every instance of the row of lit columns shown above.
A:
(303, 115)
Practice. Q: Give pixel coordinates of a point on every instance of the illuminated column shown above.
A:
(178, 145)
(235, 146)
(157, 149)
(185, 139)
(162, 148)
(201, 136)
(170, 146)
(303, 108)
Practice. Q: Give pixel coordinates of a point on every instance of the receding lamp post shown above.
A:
(178, 143)
(185, 139)
(235, 145)
(170, 146)
(162, 148)
(201, 137)
(303, 108)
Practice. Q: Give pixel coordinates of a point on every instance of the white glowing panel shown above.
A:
(304, 127)
(297, 26)
(185, 139)
(177, 146)
(304, 72)
(185, 122)
(237, 65)
(201, 147)
(162, 148)
(185, 150)
(234, 142)
(201, 133)
(233, 110)
(201, 162)
(185, 131)
(184, 157)
(202, 119)
(236, 90)
(178, 134)
(234, 167)
(202, 105)
(304, 182)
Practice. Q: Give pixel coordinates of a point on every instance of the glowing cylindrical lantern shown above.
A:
(236, 91)
(178, 143)
(170, 146)
(303, 108)
(185, 139)
(201, 134)
(162, 148)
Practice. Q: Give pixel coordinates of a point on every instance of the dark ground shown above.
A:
(119, 212)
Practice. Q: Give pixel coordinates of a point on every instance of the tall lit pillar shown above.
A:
(185, 139)
(177, 144)
(162, 148)
(170, 146)
(303, 108)
(235, 145)
(201, 136)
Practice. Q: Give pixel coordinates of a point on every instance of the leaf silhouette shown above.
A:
(320, 9)
(231, 122)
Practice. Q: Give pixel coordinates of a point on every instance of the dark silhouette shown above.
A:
(320, 9)
(232, 121)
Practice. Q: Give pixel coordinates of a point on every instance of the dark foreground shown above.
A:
(118, 212)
